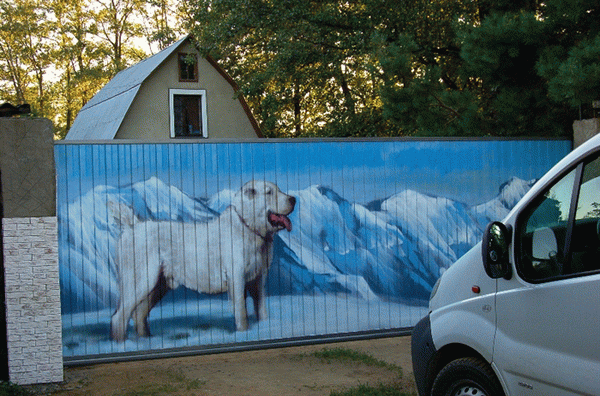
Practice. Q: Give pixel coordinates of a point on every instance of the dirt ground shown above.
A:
(279, 371)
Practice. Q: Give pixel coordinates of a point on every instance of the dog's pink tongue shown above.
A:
(277, 219)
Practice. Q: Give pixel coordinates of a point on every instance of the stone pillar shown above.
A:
(33, 318)
(30, 251)
(585, 129)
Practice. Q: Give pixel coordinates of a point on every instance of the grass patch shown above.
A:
(181, 379)
(366, 390)
(350, 355)
(175, 381)
(344, 354)
(152, 390)
(195, 384)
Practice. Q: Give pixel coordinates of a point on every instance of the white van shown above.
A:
(519, 314)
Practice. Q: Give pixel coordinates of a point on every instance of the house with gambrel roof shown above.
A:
(176, 93)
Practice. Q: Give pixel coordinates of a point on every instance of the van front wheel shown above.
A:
(466, 376)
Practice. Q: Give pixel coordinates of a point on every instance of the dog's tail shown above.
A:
(123, 214)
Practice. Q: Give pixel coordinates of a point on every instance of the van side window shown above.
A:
(557, 239)
(544, 230)
(585, 245)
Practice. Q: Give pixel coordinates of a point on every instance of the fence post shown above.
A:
(30, 251)
(3, 344)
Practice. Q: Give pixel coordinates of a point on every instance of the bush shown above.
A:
(9, 389)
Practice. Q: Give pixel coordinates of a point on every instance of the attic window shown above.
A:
(188, 67)
(188, 113)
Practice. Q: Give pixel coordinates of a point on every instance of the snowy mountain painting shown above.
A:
(368, 239)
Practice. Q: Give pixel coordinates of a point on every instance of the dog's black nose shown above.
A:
(293, 201)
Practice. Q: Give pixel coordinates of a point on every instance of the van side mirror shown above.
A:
(494, 250)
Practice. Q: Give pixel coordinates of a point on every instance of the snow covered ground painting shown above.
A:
(375, 224)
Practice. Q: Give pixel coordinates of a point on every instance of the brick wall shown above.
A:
(33, 316)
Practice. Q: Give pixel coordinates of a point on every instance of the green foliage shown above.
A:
(152, 390)
(24, 52)
(344, 354)
(303, 66)
(502, 50)
(367, 390)
(10, 389)
(577, 78)
(516, 54)
(350, 355)
(328, 67)
(56, 55)
(376, 68)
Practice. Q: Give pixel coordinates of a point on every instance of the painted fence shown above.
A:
(371, 226)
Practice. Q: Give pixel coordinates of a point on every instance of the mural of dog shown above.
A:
(231, 253)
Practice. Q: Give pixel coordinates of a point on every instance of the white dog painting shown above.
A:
(231, 253)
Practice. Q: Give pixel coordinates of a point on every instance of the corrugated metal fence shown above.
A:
(160, 230)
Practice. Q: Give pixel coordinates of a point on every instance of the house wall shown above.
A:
(148, 117)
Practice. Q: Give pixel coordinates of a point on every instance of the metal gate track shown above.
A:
(237, 347)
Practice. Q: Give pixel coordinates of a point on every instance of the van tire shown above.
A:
(466, 376)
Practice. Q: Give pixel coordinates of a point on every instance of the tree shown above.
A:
(426, 90)
(376, 68)
(57, 55)
(368, 68)
(538, 61)
(328, 67)
(502, 51)
(24, 52)
(161, 24)
(305, 67)
(570, 60)
(116, 27)
(81, 62)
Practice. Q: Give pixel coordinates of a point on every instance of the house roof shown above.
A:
(102, 116)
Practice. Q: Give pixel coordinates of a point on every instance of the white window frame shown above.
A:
(203, 112)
